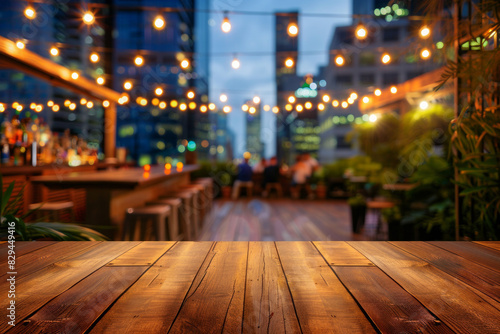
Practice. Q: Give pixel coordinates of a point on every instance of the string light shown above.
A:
(127, 85)
(94, 57)
(339, 60)
(83, 101)
(67, 103)
(38, 108)
(267, 107)
(20, 45)
(55, 108)
(244, 107)
(72, 106)
(377, 92)
(394, 90)
(288, 107)
(425, 32)
(373, 118)
(424, 105)
(155, 101)
(105, 103)
(345, 104)
(143, 102)
(293, 29)
(162, 105)
(226, 25)
(386, 58)
(366, 99)
(192, 105)
(100, 81)
(173, 103)
(185, 63)
(30, 13)
(32, 105)
(308, 105)
(50, 103)
(182, 106)
(335, 103)
(88, 18)
(361, 32)
(256, 100)
(19, 107)
(223, 98)
(291, 99)
(226, 109)
(252, 110)
(299, 107)
(326, 98)
(289, 62)
(203, 108)
(425, 54)
(74, 75)
(159, 22)
(276, 110)
(235, 63)
(139, 61)
(350, 100)
(321, 106)
(90, 104)
(211, 106)
(190, 94)
(158, 91)
(54, 51)
(354, 96)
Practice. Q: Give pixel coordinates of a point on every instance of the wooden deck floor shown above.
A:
(283, 220)
(254, 287)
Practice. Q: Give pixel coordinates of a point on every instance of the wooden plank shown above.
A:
(474, 252)
(152, 303)
(214, 303)
(41, 258)
(76, 309)
(144, 254)
(491, 244)
(479, 277)
(33, 291)
(339, 253)
(24, 247)
(321, 302)
(391, 308)
(451, 300)
(268, 303)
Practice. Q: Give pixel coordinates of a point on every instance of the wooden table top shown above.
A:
(121, 178)
(272, 287)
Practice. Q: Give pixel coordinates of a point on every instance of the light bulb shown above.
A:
(299, 107)
(291, 99)
(30, 13)
(326, 98)
(335, 103)
(226, 25)
(386, 58)
(190, 94)
(226, 109)
(159, 22)
(20, 45)
(289, 62)
(256, 100)
(105, 103)
(276, 110)
(321, 106)
(361, 32)
(293, 29)
(127, 85)
(139, 61)
(366, 99)
(100, 81)
(377, 92)
(223, 97)
(394, 90)
(158, 91)
(185, 63)
(88, 18)
(74, 75)
(94, 57)
(54, 51)
(235, 63)
(339, 60)
(425, 32)
(425, 54)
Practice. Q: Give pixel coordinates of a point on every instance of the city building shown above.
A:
(253, 126)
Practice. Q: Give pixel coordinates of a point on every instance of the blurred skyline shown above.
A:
(255, 34)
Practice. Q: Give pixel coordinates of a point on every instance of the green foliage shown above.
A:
(34, 231)
(223, 173)
(357, 200)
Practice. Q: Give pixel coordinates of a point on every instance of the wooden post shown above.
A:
(110, 131)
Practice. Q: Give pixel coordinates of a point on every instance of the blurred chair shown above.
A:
(147, 223)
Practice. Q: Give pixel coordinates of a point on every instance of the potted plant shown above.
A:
(392, 217)
(358, 212)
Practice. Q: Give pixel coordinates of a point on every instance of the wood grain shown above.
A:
(23, 248)
(152, 303)
(33, 291)
(268, 303)
(144, 254)
(214, 303)
(440, 293)
(474, 252)
(491, 244)
(322, 303)
(339, 253)
(392, 309)
(76, 309)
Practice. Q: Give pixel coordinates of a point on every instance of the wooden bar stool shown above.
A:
(175, 229)
(53, 210)
(378, 205)
(146, 223)
(201, 204)
(208, 182)
(187, 216)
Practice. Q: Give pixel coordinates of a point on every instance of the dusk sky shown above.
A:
(255, 34)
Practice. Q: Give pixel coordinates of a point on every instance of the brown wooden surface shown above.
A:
(271, 287)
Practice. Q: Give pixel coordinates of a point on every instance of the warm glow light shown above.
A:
(173, 103)
(326, 98)
(386, 58)
(100, 81)
(32, 105)
(350, 100)
(19, 107)
(211, 106)
(185, 63)
(55, 108)
(158, 91)
(377, 92)
(425, 54)
(38, 108)
(20, 45)
(366, 99)
(256, 100)
(252, 110)
(373, 118)
(159, 22)
(182, 106)
(139, 61)
(235, 63)
(162, 105)
(155, 101)
(425, 32)
(90, 104)
(299, 107)
(143, 102)
(321, 106)
(276, 110)
(72, 106)
(345, 104)
(54, 51)
(226, 25)
(288, 107)
(335, 103)
(168, 166)
(83, 101)
(289, 62)
(94, 57)
(226, 109)
(291, 99)
(192, 105)
(308, 105)
(266, 107)
(105, 103)
(203, 108)
(361, 32)
(30, 13)
(15, 104)
(339, 60)
(180, 165)
(2, 107)
(50, 103)
(353, 96)
(223, 97)
(88, 18)
(394, 90)
(190, 94)
(123, 99)
(127, 85)
(293, 29)
(244, 107)
(67, 103)
(424, 105)
(147, 168)
(74, 75)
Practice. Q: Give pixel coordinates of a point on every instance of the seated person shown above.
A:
(271, 177)
(243, 178)
(301, 171)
